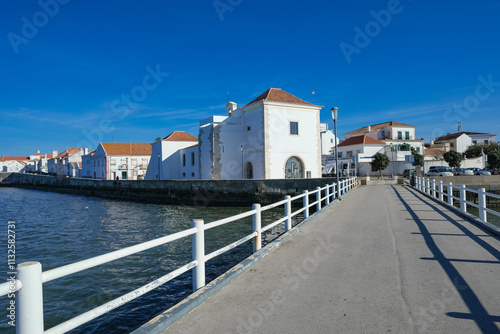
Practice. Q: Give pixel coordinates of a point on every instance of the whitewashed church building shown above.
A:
(275, 136)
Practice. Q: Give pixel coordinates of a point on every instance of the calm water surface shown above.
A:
(58, 229)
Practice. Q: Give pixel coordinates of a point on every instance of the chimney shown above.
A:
(231, 106)
(369, 128)
(85, 151)
(432, 142)
(54, 153)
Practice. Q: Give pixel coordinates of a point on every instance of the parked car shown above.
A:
(408, 172)
(439, 171)
(479, 171)
(464, 171)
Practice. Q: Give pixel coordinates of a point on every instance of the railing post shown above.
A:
(334, 191)
(256, 225)
(450, 193)
(428, 187)
(433, 188)
(440, 190)
(481, 195)
(305, 203)
(29, 299)
(318, 198)
(327, 195)
(288, 213)
(198, 242)
(463, 197)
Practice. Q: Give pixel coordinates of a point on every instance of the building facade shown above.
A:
(117, 161)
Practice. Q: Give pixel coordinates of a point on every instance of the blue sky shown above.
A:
(77, 72)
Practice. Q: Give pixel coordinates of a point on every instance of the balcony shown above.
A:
(123, 167)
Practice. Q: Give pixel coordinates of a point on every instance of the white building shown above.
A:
(13, 164)
(112, 161)
(275, 136)
(398, 137)
(59, 165)
(461, 140)
(175, 157)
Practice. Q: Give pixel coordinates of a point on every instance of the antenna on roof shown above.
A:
(459, 126)
(227, 97)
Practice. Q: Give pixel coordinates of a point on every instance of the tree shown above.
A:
(379, 163)
(453, 158)
(419, 158)
(475, 151)
(494, 159)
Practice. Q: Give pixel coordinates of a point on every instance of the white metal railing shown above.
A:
(436, 189)
(30, 278)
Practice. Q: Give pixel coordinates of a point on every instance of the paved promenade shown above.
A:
(383, 260)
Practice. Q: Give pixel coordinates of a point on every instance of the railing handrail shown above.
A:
(34, 277)
(428, 186)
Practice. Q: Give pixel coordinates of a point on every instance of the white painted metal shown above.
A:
(482, 204)
(270, 226)
(256, 225)
(333, 191)
(111, 305)
(318, 199)
(228, 219)
(98, 260)
(288, 213)
(449, 188)
(29, 300)
(327, 195)
(305, 203)
(5, 287)
(229, 247)
(198, 242)
(463, 204)
(440, 190)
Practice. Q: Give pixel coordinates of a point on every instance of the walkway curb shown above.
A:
(161, 322)
(473, 219)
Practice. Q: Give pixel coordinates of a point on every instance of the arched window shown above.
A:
(294, 168)
(249, 171)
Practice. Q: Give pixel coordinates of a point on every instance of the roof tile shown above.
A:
(180, 136)
(127, 148)
(367, 140)
(279, 95)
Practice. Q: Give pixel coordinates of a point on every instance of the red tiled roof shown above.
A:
(4, 158)
(377, 127)
(127, 148)
(279, 95)
(68, 153)
(180, 136)
(433, 151)
(366, 140)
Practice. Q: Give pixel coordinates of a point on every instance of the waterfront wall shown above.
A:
(198, 192)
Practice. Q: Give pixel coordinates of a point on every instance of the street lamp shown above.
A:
(334, 116)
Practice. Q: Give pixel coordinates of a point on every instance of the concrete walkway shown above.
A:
(383, 260)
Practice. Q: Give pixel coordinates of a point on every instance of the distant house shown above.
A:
(461, 140)
(175, 157)
(398, 137)
(13, 164)
(111, 161)
(59, 165)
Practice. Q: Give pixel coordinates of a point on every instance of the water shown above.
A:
(58, 229)
(493, 219)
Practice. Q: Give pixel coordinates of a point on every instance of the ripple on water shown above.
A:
(58, 229)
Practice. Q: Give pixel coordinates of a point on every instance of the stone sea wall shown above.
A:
(199, 192)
